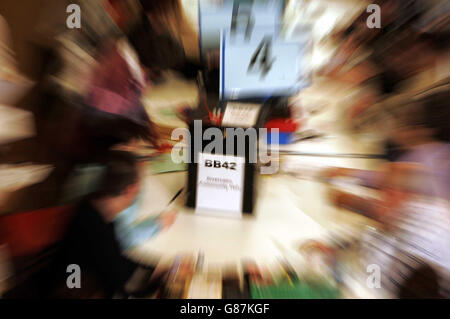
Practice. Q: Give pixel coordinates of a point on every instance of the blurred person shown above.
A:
(411, 243)
(384, 62)
(358, 38)
(91, 241)
(126, 66)
(422, 135)
(418, 64)
(114, 113)
(414, 206)
(164, 39)
(67, 131)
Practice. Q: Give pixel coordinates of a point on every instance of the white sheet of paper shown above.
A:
(241, 114)
(266, 65)
(220, 182)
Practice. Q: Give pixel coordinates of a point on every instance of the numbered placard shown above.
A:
(220, 181)
(264, 65)
(236, 16)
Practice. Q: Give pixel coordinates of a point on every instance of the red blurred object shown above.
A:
(31, 232)
(284, 125)
(165, 147)
(118, 12)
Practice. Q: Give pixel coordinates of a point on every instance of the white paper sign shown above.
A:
(220, 184)
(265, 65)
(241, 114)
(217, 15)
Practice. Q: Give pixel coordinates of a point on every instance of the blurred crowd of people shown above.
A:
(87, 101)
(401, 73)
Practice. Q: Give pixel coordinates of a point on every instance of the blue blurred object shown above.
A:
(128, 232)
(215, 16)
(283, 138)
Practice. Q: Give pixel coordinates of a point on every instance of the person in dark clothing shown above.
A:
(92, 245)
(91, 242)
(158, 38)
(112, 113)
